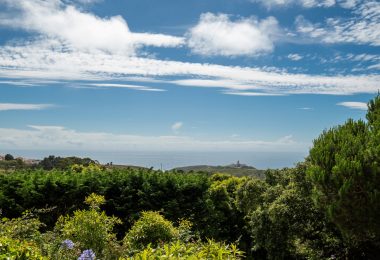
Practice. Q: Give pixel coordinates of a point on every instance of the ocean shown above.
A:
(168, 160)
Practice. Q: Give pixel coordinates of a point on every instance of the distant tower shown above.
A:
(238, 164)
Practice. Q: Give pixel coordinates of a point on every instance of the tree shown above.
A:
(224, 220)
(283, 221)
(345, 171)
(9, 157)
(64, 163)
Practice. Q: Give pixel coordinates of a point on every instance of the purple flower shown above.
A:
(68, 244)
(87, 255)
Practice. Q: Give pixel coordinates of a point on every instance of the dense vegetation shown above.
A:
(324, 208)
(65, 163)
(88, 234)
(229, 169)
(49, 163)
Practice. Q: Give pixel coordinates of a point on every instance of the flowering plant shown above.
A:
(67, 244)
(87, 255)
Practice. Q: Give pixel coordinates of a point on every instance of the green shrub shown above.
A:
(92, 167)
(25, 228)
(185, 233)
(151, 228)
(90, 229)
(179, 250)
(13, 249)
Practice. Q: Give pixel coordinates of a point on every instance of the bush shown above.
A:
(25, 228)
(20, 238)
(13, 249)
(151, 228)
(9, 157)
(92, 167)
(180, 250)
(90, 229)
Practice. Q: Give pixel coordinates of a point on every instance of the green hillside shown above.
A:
(233, 169)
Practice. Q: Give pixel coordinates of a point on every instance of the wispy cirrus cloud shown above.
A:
(39, 61)
(128, 86)
(354, 105)
(307, 3)
(353, 62)
(18, 106)
(277, 83)
(87, 1)
(251, 94)
(19, 83)
(374, 66)
(362, 28)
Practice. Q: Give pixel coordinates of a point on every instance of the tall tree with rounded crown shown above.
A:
(345, 170)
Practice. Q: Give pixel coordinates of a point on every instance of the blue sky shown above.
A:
(256, 76)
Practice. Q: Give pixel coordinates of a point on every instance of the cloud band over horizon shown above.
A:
(60, 138)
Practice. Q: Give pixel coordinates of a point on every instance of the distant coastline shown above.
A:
(170, 160)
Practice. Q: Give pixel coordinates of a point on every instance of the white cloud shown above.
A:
(273, 83)
(39, 61)
(80, 30)
(354, 105)
(308, 3)
(217, 34)
(129, 86)
(374, 66)
(177, 126)
(352, 62)
(87, 1)
(60, 54)
(295, 57)
(59, 138)
(17, 83)
(250, 94)
(365, 57)
(15, 106)
(362, 28)
(348, 3)
(303, 3)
